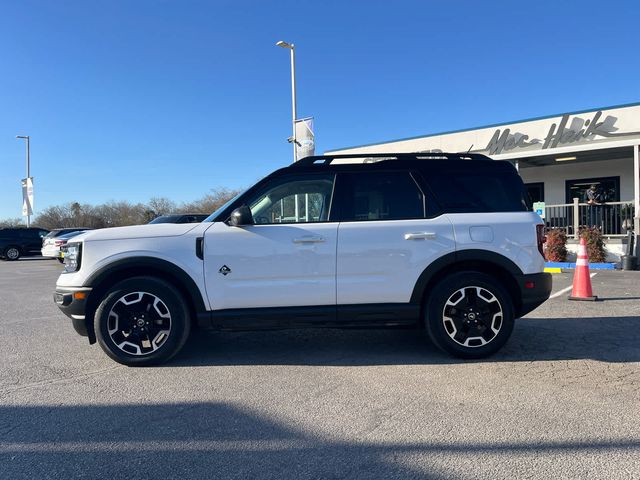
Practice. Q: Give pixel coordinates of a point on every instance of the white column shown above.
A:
(636, 194)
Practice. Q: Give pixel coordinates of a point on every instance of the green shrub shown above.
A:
(555, 249)
(595, 244)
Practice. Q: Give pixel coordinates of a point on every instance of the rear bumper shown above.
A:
(535, 289)
(72, 302)
(50, 252)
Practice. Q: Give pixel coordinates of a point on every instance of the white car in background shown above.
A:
(51, 245)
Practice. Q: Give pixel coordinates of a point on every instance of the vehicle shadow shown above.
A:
(607, 339)
(219, 440)
(35, 258)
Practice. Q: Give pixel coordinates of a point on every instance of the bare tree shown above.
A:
(122, 213)
(210, 202)
(161, 206)
(11, 223)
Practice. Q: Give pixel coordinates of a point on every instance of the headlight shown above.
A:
(72, 257)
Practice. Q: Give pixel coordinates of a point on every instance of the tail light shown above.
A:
(541, 238)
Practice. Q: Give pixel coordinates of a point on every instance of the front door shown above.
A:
(286, 259)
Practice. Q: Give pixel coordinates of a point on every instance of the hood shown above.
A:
(137, 231)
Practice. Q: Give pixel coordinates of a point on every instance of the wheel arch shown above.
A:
(490, 263)
(107, 276)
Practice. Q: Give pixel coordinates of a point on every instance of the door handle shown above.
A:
(420, 236)
(308, 239)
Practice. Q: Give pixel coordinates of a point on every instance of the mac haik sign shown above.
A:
(519, 138)
(568, 130)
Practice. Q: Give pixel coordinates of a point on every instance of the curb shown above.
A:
(556, 267)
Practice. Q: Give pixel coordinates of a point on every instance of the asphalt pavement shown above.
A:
(561, 400)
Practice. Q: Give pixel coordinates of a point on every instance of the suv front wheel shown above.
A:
(142, 321)
(469, 315)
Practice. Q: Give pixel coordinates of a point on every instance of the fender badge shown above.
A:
(224, 270)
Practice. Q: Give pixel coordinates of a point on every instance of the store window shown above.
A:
(535, 191)
(608, 186)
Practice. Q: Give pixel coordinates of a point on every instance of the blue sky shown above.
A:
(134, 99)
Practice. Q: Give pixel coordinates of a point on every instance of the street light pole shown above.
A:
(27, 138)
(292, 49)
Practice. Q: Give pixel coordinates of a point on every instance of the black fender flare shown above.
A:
(152, 264)
(460, 257)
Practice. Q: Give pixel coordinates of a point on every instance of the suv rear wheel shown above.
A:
(142, 321)
(469, 315)
(11, 253)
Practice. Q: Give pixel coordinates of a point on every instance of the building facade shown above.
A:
(558, 157)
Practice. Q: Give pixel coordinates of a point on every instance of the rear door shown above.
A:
(31, 240)
(385, 240)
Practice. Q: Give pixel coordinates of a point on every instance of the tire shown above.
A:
(12, 253)
(469, 315)
(142, 321)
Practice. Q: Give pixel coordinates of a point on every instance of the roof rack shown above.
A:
(327, 159)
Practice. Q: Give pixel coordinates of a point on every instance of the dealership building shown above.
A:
(559, 157)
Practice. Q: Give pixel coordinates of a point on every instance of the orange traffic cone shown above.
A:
(582, 279)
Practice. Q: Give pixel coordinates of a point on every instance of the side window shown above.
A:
(299, 199)
(467, 193)
(380, 196)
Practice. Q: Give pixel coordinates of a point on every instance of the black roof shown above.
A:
(432, 162)
(327, 159)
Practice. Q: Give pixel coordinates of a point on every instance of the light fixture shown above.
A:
(284, 45)
(565, 159)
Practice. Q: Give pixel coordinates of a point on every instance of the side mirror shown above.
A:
(241, 216)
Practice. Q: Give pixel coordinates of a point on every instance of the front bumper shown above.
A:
(72, 301)
(535, 289)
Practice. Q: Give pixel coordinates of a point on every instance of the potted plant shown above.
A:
(555, 249)
(595, 244)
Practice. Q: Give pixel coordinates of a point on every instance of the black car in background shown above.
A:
(20, 242)
(180, 218)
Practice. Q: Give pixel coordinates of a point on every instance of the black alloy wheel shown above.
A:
(12, 253)
(142, 321)
(469, 315)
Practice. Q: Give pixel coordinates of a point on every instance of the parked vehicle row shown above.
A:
(24, 242)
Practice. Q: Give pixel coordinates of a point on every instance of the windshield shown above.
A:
(52, 233)
(166, 219)
(67, 236)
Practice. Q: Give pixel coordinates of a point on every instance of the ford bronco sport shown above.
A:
(444, 242)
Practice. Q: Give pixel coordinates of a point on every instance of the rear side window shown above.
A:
(460, 193)
(29, 234)
(380, 196)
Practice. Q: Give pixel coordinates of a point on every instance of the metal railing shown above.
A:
(613, 219)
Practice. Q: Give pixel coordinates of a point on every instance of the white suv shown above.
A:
(444, 242)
